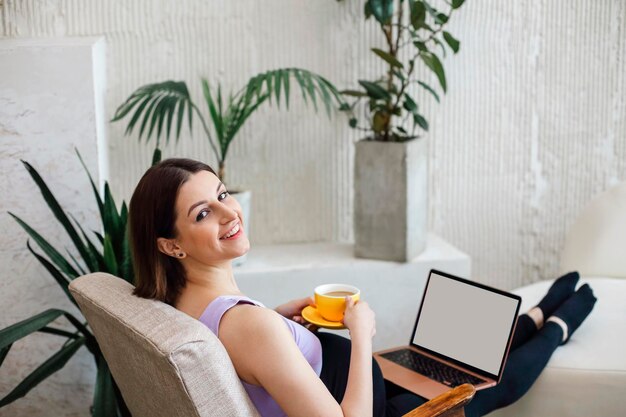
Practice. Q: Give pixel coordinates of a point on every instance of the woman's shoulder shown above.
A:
(251, 322)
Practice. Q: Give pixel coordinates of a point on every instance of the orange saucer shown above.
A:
(311, 315)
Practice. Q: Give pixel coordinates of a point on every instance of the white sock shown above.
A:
(536, 315)
(561, 323)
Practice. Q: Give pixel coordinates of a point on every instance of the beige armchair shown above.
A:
(169, 364)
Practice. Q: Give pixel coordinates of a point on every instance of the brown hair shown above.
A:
(152, 214)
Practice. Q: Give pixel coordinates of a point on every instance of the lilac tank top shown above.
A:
(308, 343)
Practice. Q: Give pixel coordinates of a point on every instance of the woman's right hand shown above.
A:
(359, 319)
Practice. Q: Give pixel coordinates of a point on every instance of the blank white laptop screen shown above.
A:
(466, 323)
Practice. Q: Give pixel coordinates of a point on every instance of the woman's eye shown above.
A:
(202, 215)
(223, 193)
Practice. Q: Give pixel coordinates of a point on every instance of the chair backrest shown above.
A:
(164, 362)
(596, 242)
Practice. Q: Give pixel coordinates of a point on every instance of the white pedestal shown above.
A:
(51, 101)
(274, 274)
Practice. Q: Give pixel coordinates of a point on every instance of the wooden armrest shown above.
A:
(448, 404)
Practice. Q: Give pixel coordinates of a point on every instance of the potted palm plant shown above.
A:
(162, 107)
(391, 187)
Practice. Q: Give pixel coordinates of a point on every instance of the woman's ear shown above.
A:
(168, 247)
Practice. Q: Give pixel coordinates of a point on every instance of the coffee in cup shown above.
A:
(331, 300)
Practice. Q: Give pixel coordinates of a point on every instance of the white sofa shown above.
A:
(587, 376)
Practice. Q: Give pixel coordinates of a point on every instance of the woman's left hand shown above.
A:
(293, 310)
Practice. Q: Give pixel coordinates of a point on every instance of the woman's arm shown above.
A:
(359, 319)
(293, 309)
(264, 353)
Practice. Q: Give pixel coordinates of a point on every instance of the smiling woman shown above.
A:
(165, 241)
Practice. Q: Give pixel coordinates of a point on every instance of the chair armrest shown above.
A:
(448, 404)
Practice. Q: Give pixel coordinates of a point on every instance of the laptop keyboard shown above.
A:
(431, 368)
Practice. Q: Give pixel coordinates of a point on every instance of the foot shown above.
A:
(574, 311)
(560, 291)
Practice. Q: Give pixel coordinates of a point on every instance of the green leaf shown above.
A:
(278, 83)
(310, 88)
(457, 3)
(146, 117)
(390, 59)
(430, 90)
(136, 115)
(433, 62)
(109, 256)
(344, 107)
(431, 10)
(451, 41)
(156, 156)
(111, 220)
(93, 184)
(179, 118)
(421, 46)
(374, 90)
(56, 274)
(49, 367)
(398, 74)
(58, 212)
(49, 250)
(4, 352)
(440, 44)
(441, 19)
(98, 259)
(104, 401)
(352, 122)
(127, 264)
(354, 93)
(418, 14)
(419, 120)
(157, 104)
(382, 10)
(409, 103)
(216, 116)
(367, 10)
(19, 330)
(326, 99)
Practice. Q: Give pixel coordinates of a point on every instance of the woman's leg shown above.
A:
(335, 368)
(523, 366)
(524, 330)
(561, 289)
(528, 361)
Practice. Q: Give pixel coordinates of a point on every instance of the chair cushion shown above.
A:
(587, 376)
(594, 245)
(165, 362)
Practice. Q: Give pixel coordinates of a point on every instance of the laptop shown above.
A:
(462, 334)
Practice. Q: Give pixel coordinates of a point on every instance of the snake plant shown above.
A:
(106, 251)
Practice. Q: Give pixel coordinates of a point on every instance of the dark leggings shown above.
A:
(530, 352)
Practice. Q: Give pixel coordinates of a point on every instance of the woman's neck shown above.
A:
(213, 279)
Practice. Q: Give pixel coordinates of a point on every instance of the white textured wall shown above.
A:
(534, 124)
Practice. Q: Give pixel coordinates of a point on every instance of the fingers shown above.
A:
(349, 301)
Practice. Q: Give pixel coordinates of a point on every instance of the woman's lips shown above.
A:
(236, 235)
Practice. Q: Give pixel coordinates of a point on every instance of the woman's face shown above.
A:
(209, 222)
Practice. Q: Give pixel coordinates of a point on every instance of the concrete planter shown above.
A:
(390, 199)
(244, 198)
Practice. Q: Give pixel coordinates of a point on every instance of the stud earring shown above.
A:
(180, 255)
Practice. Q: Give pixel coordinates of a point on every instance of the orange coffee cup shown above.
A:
(331, 300)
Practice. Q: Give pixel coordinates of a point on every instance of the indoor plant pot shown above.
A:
(390, 180)
(390, 199)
